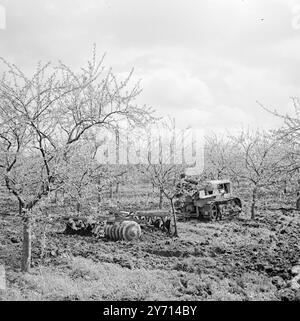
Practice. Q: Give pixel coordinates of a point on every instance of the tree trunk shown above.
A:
(160, 199)
(174, 218)
(253, 204)
(110, 191)
(63, 197)
(26, 254)
(78, 207)
(98, 191)
(43, 241)
(117, 154)
(20, 208)
(98, 199)
(55, 197)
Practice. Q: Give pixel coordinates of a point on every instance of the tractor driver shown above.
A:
(221, 189)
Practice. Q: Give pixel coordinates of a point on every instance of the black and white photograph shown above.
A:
(149, 152)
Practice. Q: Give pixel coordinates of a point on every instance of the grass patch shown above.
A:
(82, 279)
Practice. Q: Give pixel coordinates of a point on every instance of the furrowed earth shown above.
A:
(240, 259)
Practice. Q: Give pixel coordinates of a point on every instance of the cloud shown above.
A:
(194, 57)
(169, 89)
(217, 118)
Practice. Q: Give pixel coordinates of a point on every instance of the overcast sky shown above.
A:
(205, 62)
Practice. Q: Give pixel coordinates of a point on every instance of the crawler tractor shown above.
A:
(211, 200)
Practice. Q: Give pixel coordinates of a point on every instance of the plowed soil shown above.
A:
(234, 260)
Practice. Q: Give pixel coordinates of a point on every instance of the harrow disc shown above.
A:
(126, 230)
